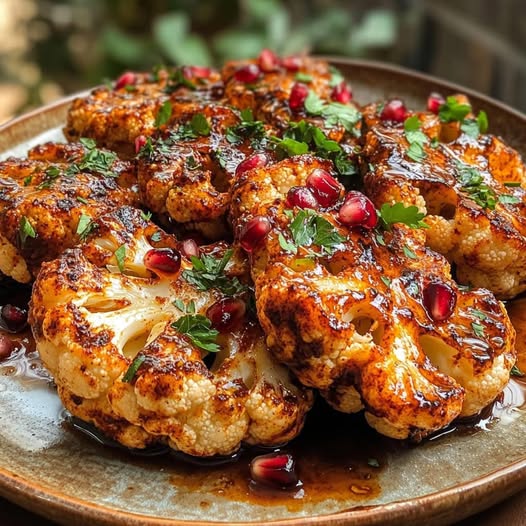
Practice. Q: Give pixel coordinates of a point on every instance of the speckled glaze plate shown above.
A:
(47, 468)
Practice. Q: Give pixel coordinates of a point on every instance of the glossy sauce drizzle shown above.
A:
(338, 456)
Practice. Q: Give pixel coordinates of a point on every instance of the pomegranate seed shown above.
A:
(163, 261)
(439, 300)
(126, 79)
(297, 96)
(226, 314)
(248, 74)
(254, 232)
(358, 210)
(140, 142)
(7, 346)
(341, 93)
(274, 470)
(434, 101)
(197, 72)
(292, 63)
(190, 248)
(394, 110)
(324, 186)
(258, 160)
(268, 61)
(14, 318)
(302, 197)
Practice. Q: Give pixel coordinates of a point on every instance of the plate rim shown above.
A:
(506, 479)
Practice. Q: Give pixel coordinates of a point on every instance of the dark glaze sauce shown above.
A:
(338, 456)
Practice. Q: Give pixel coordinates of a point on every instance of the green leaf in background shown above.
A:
(238, 44)
(124, 48)
(377, 29)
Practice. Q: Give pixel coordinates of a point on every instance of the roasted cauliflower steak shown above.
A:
(471, 188)
(47, 202)
(104, 325)
(347, 314)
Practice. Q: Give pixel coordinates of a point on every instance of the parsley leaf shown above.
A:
(515, 371)
(334, 113)
(129, 375)
(416, 139)
(478, 314)
(482, 121)
(247, 128)
(51, 173)
(307, 229)
(85, 226)
(200, 126)
(512, 184)
(336, 77)
(120, 256)
(25, 230)
(208, 273)
(507, 199)
(473, 184)
(399, 213)
(478, 329)
(409, 253)
(452, 110)
(94, 160)
(164, 114)
(386, 281)
(197, 327)
(303, 77)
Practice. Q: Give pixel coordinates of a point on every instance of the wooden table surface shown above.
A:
(511, 512)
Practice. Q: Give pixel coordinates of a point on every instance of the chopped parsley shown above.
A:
(336, 77)
(478, 314)
(176, 80)
(416, 138)
(507, 199)
(85, 226)
(82, 200)
(197, 127)
(208, 273)
(25, 230)
(303, 77)
(302, 137)
(473, 184)
(197, 327)
(311, 229)
(386, 281)
(50, 175)
(164, 114)
(27, 180)
(334, 113)
(409, 253)
(156, 236)
(120, 256)
(512, 184)
(146, 215)
(129, 375)
(399, 213)
(474, 127)
(191, 163)
(452, 110)
(478, 329)
(248, 128)
(94, 160)
(515, 371)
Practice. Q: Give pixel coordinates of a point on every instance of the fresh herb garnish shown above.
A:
(302, 137)
(507, 199)
(303, 77)
(386, 281)
(247, 128)
(164, 114)
(50, 175)
(129, 375)
(156, 236)
(146, 215)
(197, 327)
(452, 110)
(27, 180)
(85, 226)
(515, 371)
(208, 273)
(474, 127)
(478, 329)
(82, 200)
(191, 163)
(409, 253)
(199, 124)
(399, 213)
(120, 256)
(336, 77)
(25, 230)
(478, 314)
(334, 113)
(473, 184)
(512, 184)
(94, 160)
(373, 462)
(178, 79)
(311, 229)
(416, 138)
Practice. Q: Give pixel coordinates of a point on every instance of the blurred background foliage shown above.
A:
(52, 47)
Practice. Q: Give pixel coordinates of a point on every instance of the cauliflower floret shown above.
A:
(473, 191)
(351, 320)
(47, 202)
(115, 117)
(93, 324)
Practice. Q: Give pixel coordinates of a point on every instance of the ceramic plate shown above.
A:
(49, 468)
